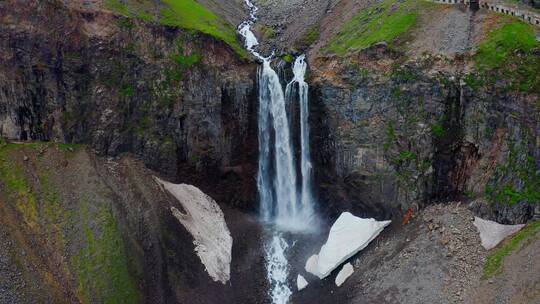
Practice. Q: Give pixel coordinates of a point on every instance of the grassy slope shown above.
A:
(384, 21)
(186, 14)
(510, 50)
(100, 268)
(495, 260)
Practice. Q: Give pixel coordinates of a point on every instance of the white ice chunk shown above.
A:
(492, 233)
(348, 236)
(301, 283)
(205, 221)
(344, 274)
(311, 264)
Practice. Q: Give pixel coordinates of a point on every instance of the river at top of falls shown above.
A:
(282, 204)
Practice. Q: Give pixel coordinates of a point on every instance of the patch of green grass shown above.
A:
(287, 58)
(510, 53)
(494, 261)
(390, 135)
(267, 32)
(17, 186)
(117, 6)
(404, 73)
(471, 81)
(384, 21)
(437, 130)
(180, 64)
(69, 147)
(190, 15)
(41, 210)
(186, 14)
(52, 213)
(501, 43)
(127, 90)
(309, 37)
(102, 266)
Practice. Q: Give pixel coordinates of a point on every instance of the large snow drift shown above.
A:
(492, 233)
(348, 235)
(206, 223)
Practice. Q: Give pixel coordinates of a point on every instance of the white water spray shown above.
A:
(277, 269)
(276, 177)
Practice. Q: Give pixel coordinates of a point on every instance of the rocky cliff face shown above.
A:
(395, 135)
(79, 228)
(181, 101)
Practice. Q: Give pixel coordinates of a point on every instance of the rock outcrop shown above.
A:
(392, 135)
(181, 101)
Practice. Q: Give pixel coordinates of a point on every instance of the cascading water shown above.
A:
(306, 197)
(281, 204)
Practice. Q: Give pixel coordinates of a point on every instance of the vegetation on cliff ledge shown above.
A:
(510, 52)
(186, 14)
(384, 21)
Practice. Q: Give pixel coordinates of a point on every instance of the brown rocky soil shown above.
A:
(519, 281)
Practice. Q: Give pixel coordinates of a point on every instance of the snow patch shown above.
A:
(205, 221)
(348, 236)
(492, 233)
(344, 274)
(301, 282)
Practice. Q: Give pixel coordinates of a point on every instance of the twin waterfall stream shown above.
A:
(285, 204)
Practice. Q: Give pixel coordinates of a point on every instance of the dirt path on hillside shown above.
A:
(448, 32)
(519, 281)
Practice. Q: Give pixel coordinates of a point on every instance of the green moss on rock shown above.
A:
(185, 14)
(17, 186)
(102, 266)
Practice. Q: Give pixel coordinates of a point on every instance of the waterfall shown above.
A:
(279, 199)
(306, 196)
(281, 203)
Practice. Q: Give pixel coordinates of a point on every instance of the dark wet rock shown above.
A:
(518, 213)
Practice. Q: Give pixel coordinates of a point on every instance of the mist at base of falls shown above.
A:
(285, 201)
